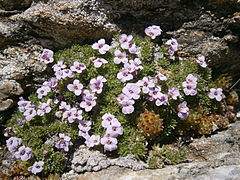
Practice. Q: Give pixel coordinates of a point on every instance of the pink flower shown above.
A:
(216, 93)
(125, 41)
(127, 106)
(161, 100)
(96, 85)
(78, 67)
(59, 66)
(88, 105)
(43, 91)
(153, 31)
(67, 73)
(37, 167)
(120, 57)
(173, 46)
(161, 77)
(47, 56)
(101, 46)
(30, 113)
(94, 140)
(174, 93)
(110, 143)
(63, 143)
(183, 110)
(13, 143)
(201, 61)
(24, 153)
(76, 87)
(99, 62)
(124, 75)
(44, 108)
(132, 90)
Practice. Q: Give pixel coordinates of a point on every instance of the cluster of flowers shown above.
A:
(114, 128)
(190, 85)
(29, 111)
(88, 97)
(24, 153)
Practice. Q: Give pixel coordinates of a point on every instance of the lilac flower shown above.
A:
(78, 67)
(43, 91)
(73, 115)
(125, 41)
(37, 167)
(120, 57)
(44, 108)
(47, 56)
(59, 66)
(63, 143)
(122, 97)
(101, 46)
(76, 87)
(13, 143)
(161, 77)
(21, 122)
(183, 110)
(96, 85)
(155, 92)
(24, 153)
(30, 113)
(173, 93)
(173, 46)
(162, 99)
(64, 106)
(94, 140)
(216, 93)
(99, 62)
(201, 61)
(53, 82)
(67, 73)
(23, 104)
(124, 76)
(110, 143)
(127, 106)
(84, 134)
(59, 74)
(136, 63)
(87, 96)
(189, 88)
(108, 119)
(129, 67)
(88, 105)
(132, 47)
(84, 125)
(115, 129)
(153, 31)
(145, 83)
(191, 78)
(132, 90)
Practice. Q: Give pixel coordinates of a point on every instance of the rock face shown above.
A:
(215, 157)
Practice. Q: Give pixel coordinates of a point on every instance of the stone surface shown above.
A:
(63, 23)
(215, 157)
(20, 70)
(90, 160)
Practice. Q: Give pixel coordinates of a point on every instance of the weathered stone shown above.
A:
(215, 157)
(63, 23)
(90, 160)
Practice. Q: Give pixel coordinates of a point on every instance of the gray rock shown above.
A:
(215, 157)
(63, 23)
(20, 69)
(91, 160)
